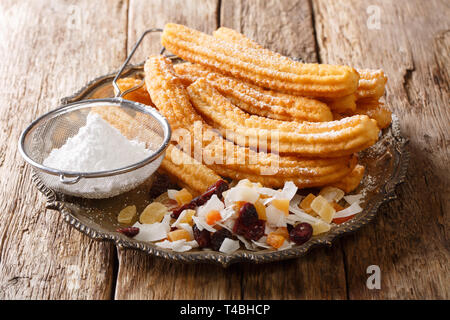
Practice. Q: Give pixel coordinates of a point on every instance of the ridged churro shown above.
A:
(310, 139)
(352, 181)
(254, 100)
(259, 66)
(171, 98)
(375, 110)
(371, 84)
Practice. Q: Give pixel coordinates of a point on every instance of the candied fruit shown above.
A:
(261, 210)
(275, 240)
(129, 232)
(301, 233)
(323, 208)
(212, 217)
(188, 216)
(320, 227)
(183, 196)
(282, 205)
(336, 206)
(247, 224)
(306, 203)
(153, 213)
(127, 215)
(282, 231)
(332, 194)
(178, 235)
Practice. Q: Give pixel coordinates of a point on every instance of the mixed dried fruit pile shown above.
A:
(222, 218)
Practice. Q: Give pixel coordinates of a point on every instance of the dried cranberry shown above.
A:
(248, 214)
(247, 224)
(301, 233)
(129, 232)
(217, 188)
(218, 237)
(160, 185)
(203, 237)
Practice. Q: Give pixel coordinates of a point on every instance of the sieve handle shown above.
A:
(65, 180)
(116, 87)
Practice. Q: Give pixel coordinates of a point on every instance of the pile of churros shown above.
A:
(240, 111)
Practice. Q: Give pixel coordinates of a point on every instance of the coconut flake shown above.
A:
(275, 216)
(151, 232)
(350, 211)
(229, 246)
(188, 228)
(300, 216)
(201, 224)
(241, 193)
(178, 245)
(248, 245)
(180, 218)
(295, 201)
(288, 192)
(262, 242)
(213, 203)
(353, 198)
(227, 213)
(286, 245)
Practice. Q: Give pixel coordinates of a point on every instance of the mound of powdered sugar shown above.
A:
(96, 147)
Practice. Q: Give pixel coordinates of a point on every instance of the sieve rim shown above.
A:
(119, 102)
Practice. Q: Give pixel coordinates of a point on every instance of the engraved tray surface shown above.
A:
(386, 164)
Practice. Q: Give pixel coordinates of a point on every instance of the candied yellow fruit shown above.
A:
(320, 227)
(188, 217)
(332, 194)
(178, 235)
(261, 210)
(282, 205)
(282, 231)
(153, 213)
(323, 208)
(306, 203)
(183, 196)
(126, 215)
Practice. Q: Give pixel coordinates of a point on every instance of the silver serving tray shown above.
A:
(386, 164)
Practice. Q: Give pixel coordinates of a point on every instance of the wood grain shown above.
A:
(48, 51)
(286, 26)
(141, 276)
(409, 241)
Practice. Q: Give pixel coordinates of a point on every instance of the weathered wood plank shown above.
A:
(141, 276)
(409, 240)
(48, 50)
(286, 26)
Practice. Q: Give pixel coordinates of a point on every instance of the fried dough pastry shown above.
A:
(370, 86)
(352, 181)
(139, 95)
(254, 100)
(172, 100)
(259, 66)
(307, 139)
(375, 110)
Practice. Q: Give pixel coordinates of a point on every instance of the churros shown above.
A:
(352, 181)
(171, 98)
(254, 100)
(328, 139)
(259, 66)
(375, 110)
(371, 84)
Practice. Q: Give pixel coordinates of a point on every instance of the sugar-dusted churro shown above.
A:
(259, 66)
(254, 100)
(171, 98)
(310, 139)
(352, 181)
(371, 84)
(375, 110)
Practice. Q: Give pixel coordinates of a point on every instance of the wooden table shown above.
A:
(51, 48)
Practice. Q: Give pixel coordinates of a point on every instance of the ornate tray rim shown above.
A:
(387, 193)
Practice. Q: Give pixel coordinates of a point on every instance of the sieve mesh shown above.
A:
(134, 121)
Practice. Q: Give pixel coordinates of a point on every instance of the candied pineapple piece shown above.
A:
(320, 227)
(282, 205)
(183, 196)
(153, 213)
(282, 231)
(188, 217)
(332, 194)
(323, 208)
(306, 203)
(126, 215)
(275, 240)
(261, 210)
(336, 206)
(212, 217)
(178, 235)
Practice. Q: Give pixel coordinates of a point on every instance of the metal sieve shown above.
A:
(135, 121)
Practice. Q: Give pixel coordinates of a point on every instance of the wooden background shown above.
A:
(50, 48)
